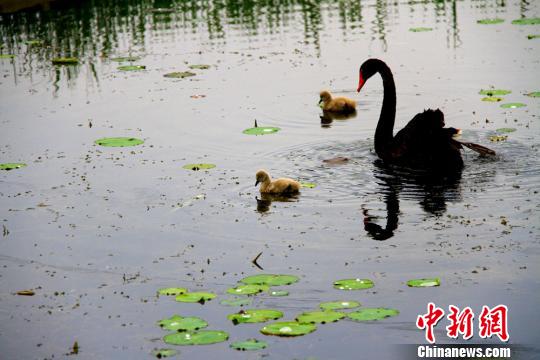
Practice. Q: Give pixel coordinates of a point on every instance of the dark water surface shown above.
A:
(111, 226)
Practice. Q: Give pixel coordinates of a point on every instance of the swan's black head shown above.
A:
(368, 69)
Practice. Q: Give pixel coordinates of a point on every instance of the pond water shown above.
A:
(96, 231)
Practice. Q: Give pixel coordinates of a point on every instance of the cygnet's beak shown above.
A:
(257, 183)
(320, 101)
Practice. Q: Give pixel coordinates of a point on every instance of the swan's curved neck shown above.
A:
(385, 127)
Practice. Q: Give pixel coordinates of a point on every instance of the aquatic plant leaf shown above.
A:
(490, 21)
(535, 36)
(131, 67)
(492, 99)
(261, 130)
(369, 314)
(172, 291)
(270, 279)
(163, 353)
(236, 302)
(288, 328)
(196, 167)
(534, 94)
(424, 282)
(33, 42)
(249, 344)
(7, 56)
(119, 141)
(199, 67)
(203, 337)
(512, 105)
(179, 323)
(335, 305)
(161, 10)
(420, 29)
(308, 185)
(527, 21)
(320, 317)
(65, 61)
(11, 166)
(498, 138)
(353, 284)
(278, 293)
(506, 130)
(194, 297)
(126, 58)
(179, 74)
(254, 316)
(249, 289)
(494, 92)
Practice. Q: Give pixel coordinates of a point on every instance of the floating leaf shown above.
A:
(288, 328)
(163, 353)
(261, 130)
(353, 284)
(194, 297)
(527, 21)
(126, 58)
(321, 317)
(506, 130)
(512, 105)
(7, 56)
(199, 67)
(497, 138)
(249, 344)
(420, 29)
(196, 167)
(494, 92)
(236, 302)
(270, 279)
(172, 291)
(249, 289)
(254, 316)
(534, 94)
(161, 10)
(490, 21)
(65, 61)
(335, 305)
(179, 323)
(492, 99)
(278, 293)
(179, 74)
(131, 67)
(33, 42)
(11, 166)
(119, 141)
(369, 314)
(203, 337)
(308, 185)
(536, 36)
(424, 282)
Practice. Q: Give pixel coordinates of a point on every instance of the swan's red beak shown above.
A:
(361, 82)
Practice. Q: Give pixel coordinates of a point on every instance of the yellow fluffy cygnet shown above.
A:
(341, 105)
(279, 186)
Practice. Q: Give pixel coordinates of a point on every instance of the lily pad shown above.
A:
(270, 279)
(131, 67)
(320, 317)
(195, 297)
(335, 305)
(249, 289)
(7, 56)
(236, 302)
(506, 130)
(512, 105)
(249, 344)
(278, 293)
(498, 138)
(534, 94)
(172, 291)
(492, 99)
(494, 92)
(65, 61)
(199, 67)
(203, 337)
(196, 167)
(490, 21)
(308, 185)
(33, 42)
(353, 284)
(420, 29)
(261, 130)
(11, 166)
(163, 353)
(527, 21)
(369, 314)
(535, 36)
(288, 328)
(126, 58)
(424, 282)
(119, 141)
(254, 316)
(179, 323)
(179, 74)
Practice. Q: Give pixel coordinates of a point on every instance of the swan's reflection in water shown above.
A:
(327, 118)
(265, 201)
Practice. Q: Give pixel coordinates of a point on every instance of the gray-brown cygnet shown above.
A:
(282, 186)
(341, 105)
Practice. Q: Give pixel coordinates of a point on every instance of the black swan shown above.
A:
(424, 143)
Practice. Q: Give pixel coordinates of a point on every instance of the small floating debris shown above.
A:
(119, 141)
(270, 279)
(424, 282)
(371, 314)
(163, 353)
(512, 105)
(199, 67)
(420, 29)
(26, 292)
(308, 185)
(161, 10)
(131, 67)
(247, 289)
(336, 161)
(319, 317)
(11, 166)
(179, 74)
(179, 323)
(506, 130)
(353, 284)
(490, 21)
(527, 21)
(534, 94)
(7, 56)
(492, 99)
(278, 293)
(172, 291)
(203, 337)
(337, 305)
(197, 167)
(195, 297)
(254, 316)
(126, 58)
(65, 61)
(494, 92)
(288, 328)
(498, 138)
(249, 344)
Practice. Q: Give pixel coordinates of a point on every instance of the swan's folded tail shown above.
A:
(482, 150)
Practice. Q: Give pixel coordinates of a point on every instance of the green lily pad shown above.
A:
(527, 21)
(33, 42)
(11, 166)
(270, 279)
(65, 61)
(278, 293)
(172, 291)
(498, 138)
(236, 302)
(261, 130)
(179, 74)
(195, 297)
(492, 99)
(335, 305)
(254, 316)
(199, 67)
(131, 67)
(163, 353)
(319, 317)
(308, 185)
(534, 94)
(126, 58)
(369, 314)
(196, 167)
(420, 29)
(512, 105)
(506, 130)
(179, 323)
(424, 282)
(494, 92)
(249, 344)
(288, 328)
(490, 21)
(7, 56)
(203, 337)
(119, 141)
(249, 289)
(535, 36)
(353, 284)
